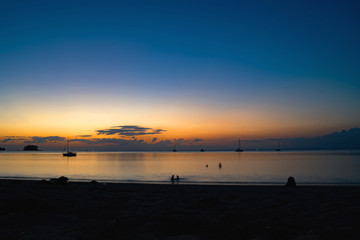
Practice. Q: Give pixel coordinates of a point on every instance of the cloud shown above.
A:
(45, 139)
(10, 139)
(198, 140)
(154, 139)
(187, 141)
(352, 132)
(179, 140)
(84, 136)
(129, 130)
(341, 139)
(164, 142)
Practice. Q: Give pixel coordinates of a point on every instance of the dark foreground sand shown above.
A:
(34, 210)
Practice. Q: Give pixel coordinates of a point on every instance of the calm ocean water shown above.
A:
(308, 167)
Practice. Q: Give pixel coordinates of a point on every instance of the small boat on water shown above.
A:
(174, 149)
(278, 148)
(239, 148)
(202, 150)
(68, 153)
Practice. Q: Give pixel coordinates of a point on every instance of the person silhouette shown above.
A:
(177, 178)
(172, 178)
(219, 164)
(291, 182)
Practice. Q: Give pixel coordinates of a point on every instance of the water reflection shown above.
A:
(269, 167)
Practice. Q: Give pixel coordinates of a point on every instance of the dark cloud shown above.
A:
(341, 139)
(84, 136)
(179, 140)
(198, 140)
(189, 141)
(165, 142)
(129, 130)
(352, 132)
(154, 139)
(11, 139)
(45, 139)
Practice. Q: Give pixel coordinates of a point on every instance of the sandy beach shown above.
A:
(44, 210)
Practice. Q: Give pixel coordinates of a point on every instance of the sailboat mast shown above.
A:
(68, 153)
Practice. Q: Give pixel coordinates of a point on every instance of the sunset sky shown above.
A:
(154, 74)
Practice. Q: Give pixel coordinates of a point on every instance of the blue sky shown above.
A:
(253, 69)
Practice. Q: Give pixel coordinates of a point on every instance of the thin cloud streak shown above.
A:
(11, 139)
(84, 136)
(53, 139)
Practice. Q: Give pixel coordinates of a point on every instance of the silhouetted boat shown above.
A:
(239, 148)
(202, 150)
(278, 148)
(68, 153)
(174, 150)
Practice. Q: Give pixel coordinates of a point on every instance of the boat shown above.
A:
(239, 148)
(278, 148)
(68, 153)
(202, 150)
(174, 150)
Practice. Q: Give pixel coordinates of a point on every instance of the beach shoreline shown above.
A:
(83, 210)
(186, 182)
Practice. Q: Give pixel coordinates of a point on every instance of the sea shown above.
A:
(317, 167)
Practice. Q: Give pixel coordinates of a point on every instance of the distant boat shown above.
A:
(278, 148)
(202, 150)
(239, 148)
(174, 150)
(68, 153)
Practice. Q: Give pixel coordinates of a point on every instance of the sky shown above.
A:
(148, 75)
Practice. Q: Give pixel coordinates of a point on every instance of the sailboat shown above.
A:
(202, 150)
(239, 148)
(174, 150)
(69, 153)
(278, 149)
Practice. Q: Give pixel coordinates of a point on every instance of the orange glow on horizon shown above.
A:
(180, 120)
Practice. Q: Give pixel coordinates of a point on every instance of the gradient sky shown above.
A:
(200, 71)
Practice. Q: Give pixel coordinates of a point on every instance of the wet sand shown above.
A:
(35, 210)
